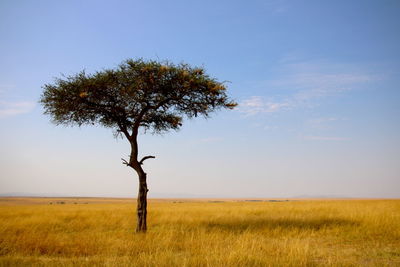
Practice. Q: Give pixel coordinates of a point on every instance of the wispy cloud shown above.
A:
(325, 138)
(319, 79)
(8, 109)
(324, 123)
(310, 86)
(304, 83)
(256, 104)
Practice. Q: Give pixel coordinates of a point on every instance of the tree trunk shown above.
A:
(141, 225)
(142, 203)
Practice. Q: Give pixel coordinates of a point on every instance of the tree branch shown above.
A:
(125, 162)
(144, 158)
(139, 118)
(124, 130)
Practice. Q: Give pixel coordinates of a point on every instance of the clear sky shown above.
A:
(317, 84)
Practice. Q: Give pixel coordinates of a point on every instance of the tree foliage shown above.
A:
(149, 94)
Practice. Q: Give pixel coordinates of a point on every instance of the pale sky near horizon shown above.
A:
(317, 84)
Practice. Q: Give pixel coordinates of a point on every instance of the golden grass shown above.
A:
(100, 232)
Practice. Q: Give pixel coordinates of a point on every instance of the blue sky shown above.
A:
(317, 84)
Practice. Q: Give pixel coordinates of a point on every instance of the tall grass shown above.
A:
(200, 233)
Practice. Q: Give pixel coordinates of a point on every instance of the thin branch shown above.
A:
(138, 120)
(125, 162)
(122, 128)
(144, 158)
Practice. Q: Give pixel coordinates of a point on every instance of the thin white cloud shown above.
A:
(303, 84)
(256, 104)
(325, 138)
(324, 123)
(317, 85)
(315, 80)
(8, 109)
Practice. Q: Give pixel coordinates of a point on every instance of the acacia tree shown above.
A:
(138, 94)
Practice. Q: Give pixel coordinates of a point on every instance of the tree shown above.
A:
(138, 94)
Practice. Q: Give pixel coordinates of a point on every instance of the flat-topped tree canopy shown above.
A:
(138, 93)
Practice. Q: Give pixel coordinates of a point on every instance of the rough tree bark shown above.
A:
(142, 204)
(141, 225)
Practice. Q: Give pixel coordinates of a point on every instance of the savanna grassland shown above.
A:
(100, 232)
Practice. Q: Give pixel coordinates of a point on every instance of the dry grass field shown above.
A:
(100, 232)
